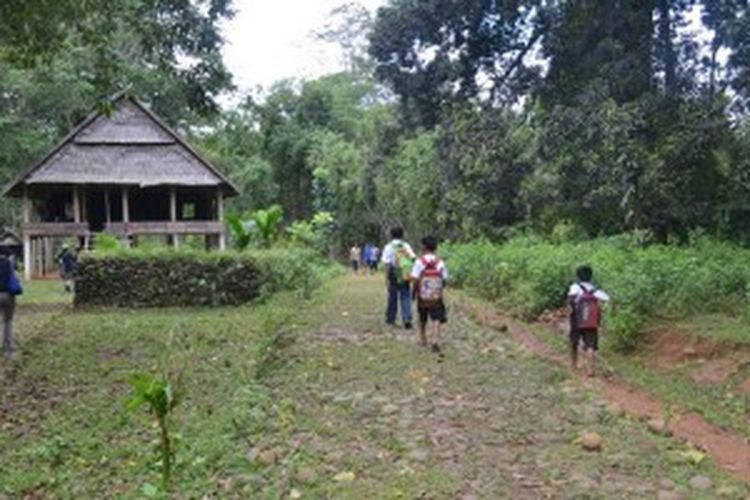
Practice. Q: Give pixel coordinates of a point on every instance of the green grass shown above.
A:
(716, 328)
(47, 292)
(285, 396)
(73, 438)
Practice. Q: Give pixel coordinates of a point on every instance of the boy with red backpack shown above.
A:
(429, 275)
(585, 317)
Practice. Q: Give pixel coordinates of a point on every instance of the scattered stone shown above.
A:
(252, 455)
(728, 492)
(591, 441)
(389, 409)
(671, 495)
(295, 494)
(306, 475)
(689, 351)
(701, 483)
(659, 426)
(342, 398)
(225, 484)
(268, 457)
(667, 484)
(419, 455)
(346, 476)
(615, 409)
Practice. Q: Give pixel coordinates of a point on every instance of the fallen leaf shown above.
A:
(693, 455)
(344, 476)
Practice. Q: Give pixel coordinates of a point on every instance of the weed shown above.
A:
(161, 394)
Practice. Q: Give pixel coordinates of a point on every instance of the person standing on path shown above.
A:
(367, 258)
(398, 259)
(375, 258)
(67, 259)
(9, 288)
(355, 254)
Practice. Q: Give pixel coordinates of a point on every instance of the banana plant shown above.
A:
(242, 230)
(267, 223)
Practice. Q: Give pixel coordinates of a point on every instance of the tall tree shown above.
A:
(438, 52)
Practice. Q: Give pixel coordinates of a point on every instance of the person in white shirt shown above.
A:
(429, 275)
(394, 255)
(355, 255)
(585, 300)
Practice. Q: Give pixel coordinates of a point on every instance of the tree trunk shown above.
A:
(669, 57)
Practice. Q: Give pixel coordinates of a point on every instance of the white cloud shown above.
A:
(270, 40)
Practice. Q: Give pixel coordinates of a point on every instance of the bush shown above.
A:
(292, 269)
(168, 277)
(137, 279)
(648, 283)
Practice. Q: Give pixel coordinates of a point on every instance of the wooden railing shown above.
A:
(165, 227)
(55, 229)
(35, 229)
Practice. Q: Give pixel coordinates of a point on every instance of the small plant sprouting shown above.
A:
(161, 395)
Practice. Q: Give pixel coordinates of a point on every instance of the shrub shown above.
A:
(168, 277)
(530, 275)
(292, 268)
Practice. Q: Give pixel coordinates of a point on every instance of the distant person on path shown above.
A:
(355, 254)
(585, 316)
(429, 276)
(67, 259)
(9, 288)
(366, 256)
(398, 258)
(375, 258)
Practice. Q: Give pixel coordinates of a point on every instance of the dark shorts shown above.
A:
(435, 313)
(590, 338)
(355, 265)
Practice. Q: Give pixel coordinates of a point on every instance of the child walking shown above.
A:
(585, 316)
(429, 275)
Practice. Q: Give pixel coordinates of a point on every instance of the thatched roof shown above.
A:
(129, 146)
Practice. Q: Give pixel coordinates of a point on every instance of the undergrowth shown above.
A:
(530, 275)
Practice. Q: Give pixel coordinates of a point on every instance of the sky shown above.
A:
(268, 40)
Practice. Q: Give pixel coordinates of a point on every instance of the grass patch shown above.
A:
(68, 435)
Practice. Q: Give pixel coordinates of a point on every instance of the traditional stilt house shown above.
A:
(125, 173)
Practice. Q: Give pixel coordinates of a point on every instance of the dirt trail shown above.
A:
(730, 451)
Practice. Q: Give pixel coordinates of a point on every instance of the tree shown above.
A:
(444, 51)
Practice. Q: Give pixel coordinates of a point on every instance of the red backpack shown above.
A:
(588, 314)
(430, 283)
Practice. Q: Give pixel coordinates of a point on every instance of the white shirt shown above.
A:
(389, 252)
(576, 291)
(419, 266)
